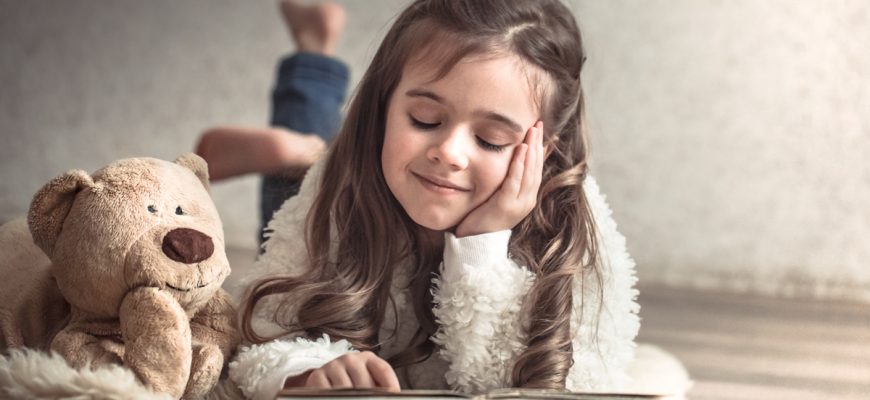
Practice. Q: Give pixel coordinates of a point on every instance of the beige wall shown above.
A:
(729, 136)
(733, 138)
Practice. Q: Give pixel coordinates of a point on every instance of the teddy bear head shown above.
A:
(138, 222)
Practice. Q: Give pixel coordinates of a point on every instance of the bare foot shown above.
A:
(232, 151)
(315, 28)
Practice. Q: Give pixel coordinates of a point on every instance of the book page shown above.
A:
(505, 394)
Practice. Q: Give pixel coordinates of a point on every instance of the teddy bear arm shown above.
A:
(205, 370)
(217, 324)
(157, 336)
(80, 347)
(215, 336)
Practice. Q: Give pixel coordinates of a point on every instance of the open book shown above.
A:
(319, 394)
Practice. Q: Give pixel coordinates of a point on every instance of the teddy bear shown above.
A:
(131, 274)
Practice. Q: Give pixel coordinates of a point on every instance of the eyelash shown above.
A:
(480, 142)
(489, 146)
(422, 125)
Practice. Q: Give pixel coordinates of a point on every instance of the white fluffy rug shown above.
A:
(28, 374)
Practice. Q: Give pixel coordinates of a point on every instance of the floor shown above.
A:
(744, 347)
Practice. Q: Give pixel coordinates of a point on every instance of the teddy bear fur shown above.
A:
(130, 273)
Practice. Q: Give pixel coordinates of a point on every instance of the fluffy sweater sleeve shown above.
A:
(260, 370)
(479, 293)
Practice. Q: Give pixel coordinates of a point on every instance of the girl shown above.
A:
(451, 233)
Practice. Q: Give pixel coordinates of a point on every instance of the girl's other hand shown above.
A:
(352, 370)
(518, 194)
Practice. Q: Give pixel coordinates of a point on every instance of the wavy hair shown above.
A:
(346, 291)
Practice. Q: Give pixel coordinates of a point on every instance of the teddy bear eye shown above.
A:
(152, 209)
(179, 211)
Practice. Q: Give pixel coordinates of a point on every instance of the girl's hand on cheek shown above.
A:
(352, 370)
(518, 194)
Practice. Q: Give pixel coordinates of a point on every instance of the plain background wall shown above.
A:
(730, 137)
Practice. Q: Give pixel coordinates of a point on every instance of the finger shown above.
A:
(317, 379)
(383, 374)
(543, 147)
(360, 376)
(513, 183)
(337, 375)
(530, 135)
(539, 168)
(531, 162)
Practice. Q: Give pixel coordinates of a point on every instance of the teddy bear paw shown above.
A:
(204, 371)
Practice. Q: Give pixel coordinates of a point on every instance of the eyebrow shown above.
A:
(491, 115)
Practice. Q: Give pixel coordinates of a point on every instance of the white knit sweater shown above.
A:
(478, 296)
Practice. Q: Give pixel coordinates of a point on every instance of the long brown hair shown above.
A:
(346, 291)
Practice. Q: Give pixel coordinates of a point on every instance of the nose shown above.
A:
(450, 148)
(187, 245)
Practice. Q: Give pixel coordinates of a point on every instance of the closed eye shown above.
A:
(423, 125)
(489, 146)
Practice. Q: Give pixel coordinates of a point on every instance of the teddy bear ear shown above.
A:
(51, 205)
(196, 164)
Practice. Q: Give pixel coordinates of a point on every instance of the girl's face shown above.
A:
(448, 142)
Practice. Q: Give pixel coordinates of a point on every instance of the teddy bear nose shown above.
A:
(187, 245)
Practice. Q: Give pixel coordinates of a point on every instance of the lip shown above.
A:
(438, 185)
(200, 286)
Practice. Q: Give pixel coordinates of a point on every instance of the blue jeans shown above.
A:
(307, 98)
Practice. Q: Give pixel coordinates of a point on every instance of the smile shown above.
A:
(200, 286)
(439, 185)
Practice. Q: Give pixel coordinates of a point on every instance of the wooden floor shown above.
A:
(746, 347)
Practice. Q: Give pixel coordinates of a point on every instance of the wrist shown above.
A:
(466, 230)
(477, 250)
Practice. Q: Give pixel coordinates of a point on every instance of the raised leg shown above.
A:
(310, 90)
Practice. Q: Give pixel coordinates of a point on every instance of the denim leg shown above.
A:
(307, 98)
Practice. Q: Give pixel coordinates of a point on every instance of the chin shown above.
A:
(434, 223)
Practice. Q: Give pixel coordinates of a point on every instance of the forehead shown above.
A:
(500, 80)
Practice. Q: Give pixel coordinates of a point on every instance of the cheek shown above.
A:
(395, 155)
(389, 138)
(391, 152)
(490, 178)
